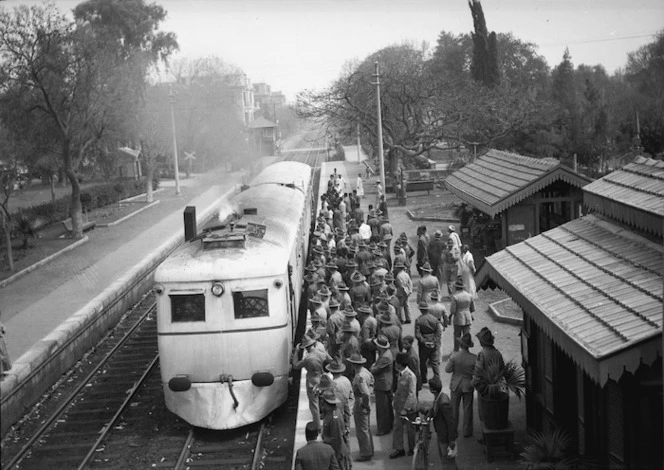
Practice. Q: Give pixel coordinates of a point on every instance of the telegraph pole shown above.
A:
(358, 141)
(175, 142)
(380, 130)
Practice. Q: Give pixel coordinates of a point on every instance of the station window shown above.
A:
(186, 308)
(251, 304)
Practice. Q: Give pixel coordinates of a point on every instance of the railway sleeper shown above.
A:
(64, 446)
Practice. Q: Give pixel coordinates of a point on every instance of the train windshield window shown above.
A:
(186, 308)
(251, 304)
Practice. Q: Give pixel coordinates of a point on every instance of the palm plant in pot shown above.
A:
(493, 382)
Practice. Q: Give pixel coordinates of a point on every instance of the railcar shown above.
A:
(228, 303)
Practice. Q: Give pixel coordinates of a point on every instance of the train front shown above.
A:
(225, 326)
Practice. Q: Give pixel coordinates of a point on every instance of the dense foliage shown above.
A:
(484, 89)
(72, 82)
(92, 198)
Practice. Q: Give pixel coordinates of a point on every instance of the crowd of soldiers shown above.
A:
(358, 286)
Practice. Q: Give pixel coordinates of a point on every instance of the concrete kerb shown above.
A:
(129, 216)
(42, 262)
(41, 366)
(412, 216)
(503, 318)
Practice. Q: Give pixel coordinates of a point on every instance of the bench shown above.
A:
(423, 185)
(86, 225)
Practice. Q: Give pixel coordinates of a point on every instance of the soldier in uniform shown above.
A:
(429, 334)
(363, 383)
(383, 379)
(461, 312)
(427, 284)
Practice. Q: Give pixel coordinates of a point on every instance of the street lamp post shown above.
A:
(380, 130)
(175, 142)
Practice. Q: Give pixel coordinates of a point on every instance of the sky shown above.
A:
(304, 44)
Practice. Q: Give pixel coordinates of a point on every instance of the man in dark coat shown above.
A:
(422, 248)
(315, 455)
(462, 365)
(382, 371)
(436, 247)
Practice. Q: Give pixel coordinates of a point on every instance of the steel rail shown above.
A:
(42, 429)
(107, 428)
(257, 451)
(80, 332)
(185, 452)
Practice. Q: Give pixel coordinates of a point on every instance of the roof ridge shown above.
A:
(641, 160)
(632, 187)
(635, 169)
(504, 154)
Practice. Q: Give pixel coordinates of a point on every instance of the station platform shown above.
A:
(44, 308)
(470, 452)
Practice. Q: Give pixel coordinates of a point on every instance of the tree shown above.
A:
(8, 175)
(75, 78)
(644, 74)
(450, 61)
(421, 109)
(484, 67)
(132, 27)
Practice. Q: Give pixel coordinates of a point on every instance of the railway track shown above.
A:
(109, 409)
(70, 435)
(310, 149)
(239, 448)
(114, 417)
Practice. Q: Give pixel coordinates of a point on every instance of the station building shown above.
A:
(524, 196)
(591, 291)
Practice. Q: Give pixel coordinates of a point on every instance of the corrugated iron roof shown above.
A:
(593, 286)
(498, 180)
(633, 194)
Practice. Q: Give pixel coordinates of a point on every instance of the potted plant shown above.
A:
(493, 383)
(549, 450)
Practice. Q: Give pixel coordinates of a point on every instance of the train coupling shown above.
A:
(229, 378)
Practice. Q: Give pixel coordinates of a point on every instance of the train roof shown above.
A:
(295, 173)
(239, 252)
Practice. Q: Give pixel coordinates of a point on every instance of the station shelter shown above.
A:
(128, 164)
(524, 196)
(591, 292)
(263, 136)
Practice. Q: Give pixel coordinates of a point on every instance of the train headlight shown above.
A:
(278, 283)
(218, 289)
(159, 289)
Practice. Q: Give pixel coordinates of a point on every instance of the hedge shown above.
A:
(92, 198)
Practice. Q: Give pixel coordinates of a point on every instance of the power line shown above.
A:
(590, 41)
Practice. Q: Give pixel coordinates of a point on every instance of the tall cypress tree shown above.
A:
(484, 67)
